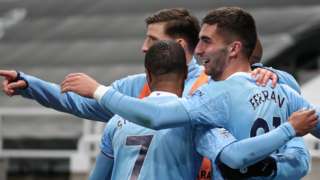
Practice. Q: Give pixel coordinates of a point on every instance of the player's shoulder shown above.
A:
(241, 82)
(133, 78)
(130, 85)
(217, 87)
(136, 76)
(210, 91)
(241, 78)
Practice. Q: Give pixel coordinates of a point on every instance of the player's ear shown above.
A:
(182, 43)
(234, 48)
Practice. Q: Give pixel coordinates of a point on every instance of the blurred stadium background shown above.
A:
(51, 38)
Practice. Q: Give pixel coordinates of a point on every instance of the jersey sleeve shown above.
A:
(293, 161)
(248, 151)
(210, 141)
(103, 167)
(49, 95)
(145, 113)
(107, 137)
(288, 79)
(201, 108)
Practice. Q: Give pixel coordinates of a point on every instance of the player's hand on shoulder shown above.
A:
(79, 83)
(11, 82)
(263, 76)
(303, 121)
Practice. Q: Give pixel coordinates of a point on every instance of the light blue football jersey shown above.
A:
(143, 153)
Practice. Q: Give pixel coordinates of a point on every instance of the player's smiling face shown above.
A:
(155, 32)
(212, 51)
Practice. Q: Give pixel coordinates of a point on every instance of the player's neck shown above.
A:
(240, 65)
(189, 57)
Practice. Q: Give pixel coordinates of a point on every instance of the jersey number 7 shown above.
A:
(145, 142)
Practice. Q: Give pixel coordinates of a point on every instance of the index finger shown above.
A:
(9, 74)
(4, 73)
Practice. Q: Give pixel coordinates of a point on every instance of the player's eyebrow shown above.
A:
(152, 37)
(205, 38)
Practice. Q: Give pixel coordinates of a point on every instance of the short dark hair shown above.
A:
(179, 24)
(165, 57)
(234, 22)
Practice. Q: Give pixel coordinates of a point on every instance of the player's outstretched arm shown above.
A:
(243, 153)
(251, 157)
(251, 150)
(141, 112)
(197, 109)
(291, 161)
(248, 151)
(49, 95)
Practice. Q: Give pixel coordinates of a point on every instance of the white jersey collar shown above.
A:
(162, 93)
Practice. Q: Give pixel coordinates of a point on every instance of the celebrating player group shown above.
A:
(228, 118)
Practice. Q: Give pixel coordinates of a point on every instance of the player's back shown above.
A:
(142, 153)
(255, 109)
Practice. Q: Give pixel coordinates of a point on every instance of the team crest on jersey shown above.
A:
(198, 93)
(224, 132)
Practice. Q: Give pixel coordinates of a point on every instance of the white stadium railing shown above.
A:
(81, 159)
